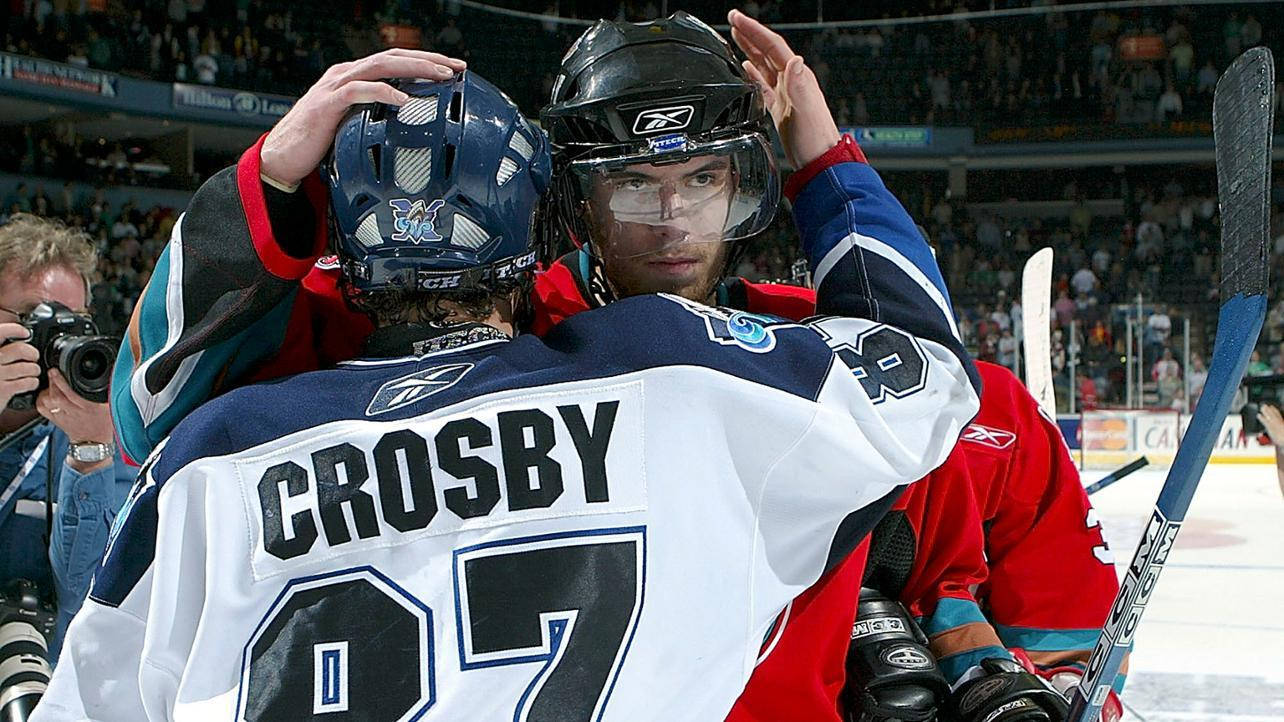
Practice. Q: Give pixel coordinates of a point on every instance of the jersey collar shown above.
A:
(416, 339)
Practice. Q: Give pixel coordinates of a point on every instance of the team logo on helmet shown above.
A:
(414, 221)
(663, 120)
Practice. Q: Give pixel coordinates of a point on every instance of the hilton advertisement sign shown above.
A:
(248, 106)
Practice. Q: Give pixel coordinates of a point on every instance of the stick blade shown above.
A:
(1243, 116)
(1036, 300)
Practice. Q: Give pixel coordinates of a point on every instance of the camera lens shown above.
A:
(24, 670)
(86, 362)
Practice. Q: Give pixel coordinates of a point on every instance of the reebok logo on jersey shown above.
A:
(988, 436)
(415, 387)
(662, 120)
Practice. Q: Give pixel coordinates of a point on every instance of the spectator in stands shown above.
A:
(860, 110)
(1007, 349)
(206, 68)
(1001, 319)
(942, 213)
(988, 233)
(1064, 308)
(1169, 106)
(1166, 374)
(1250, 32)
(20, 199)
(1232, 35)
(1196, 378)
(1207, 80)
(450, 40)
(1083, 281)
(1182, 57)
(123, 227)
(1005, 276)
(1101, 261)
(1080, 218)
(1087, 392)
(1159, 327)
(1256, 366)
(939, 87)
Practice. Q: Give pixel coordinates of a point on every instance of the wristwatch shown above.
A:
(91, 452)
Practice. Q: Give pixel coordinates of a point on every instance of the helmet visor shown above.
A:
(680, 192)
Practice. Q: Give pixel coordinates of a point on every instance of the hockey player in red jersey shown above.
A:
(1033, 601)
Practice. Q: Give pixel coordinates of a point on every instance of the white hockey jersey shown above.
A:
(598, 525)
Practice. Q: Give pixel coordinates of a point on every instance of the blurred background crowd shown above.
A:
(1136, 246)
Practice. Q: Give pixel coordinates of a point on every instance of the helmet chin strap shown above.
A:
(600, 290)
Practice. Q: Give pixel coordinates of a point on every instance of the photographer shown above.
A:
(1273, 423)
(55, 444)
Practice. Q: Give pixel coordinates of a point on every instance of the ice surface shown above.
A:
(1211, 644)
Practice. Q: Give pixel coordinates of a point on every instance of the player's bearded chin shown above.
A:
(631, 275)
(632, 269)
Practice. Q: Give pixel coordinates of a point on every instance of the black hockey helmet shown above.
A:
(664, 94)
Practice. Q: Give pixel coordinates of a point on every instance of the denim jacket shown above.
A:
(86, 505)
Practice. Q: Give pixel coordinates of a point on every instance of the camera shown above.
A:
(26, 624)
(1262, 391)
(69, 342)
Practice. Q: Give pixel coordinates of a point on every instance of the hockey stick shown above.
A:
(1036, 303)
(1116, 475)
(1242, 121)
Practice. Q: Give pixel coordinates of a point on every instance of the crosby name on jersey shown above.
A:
(514, 465)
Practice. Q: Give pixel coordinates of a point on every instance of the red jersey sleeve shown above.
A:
(948, 563)
(1052, 576)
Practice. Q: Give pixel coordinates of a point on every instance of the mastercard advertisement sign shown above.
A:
(1105, 432)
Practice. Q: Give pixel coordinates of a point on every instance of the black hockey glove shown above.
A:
(891, 675)
(1008, 693)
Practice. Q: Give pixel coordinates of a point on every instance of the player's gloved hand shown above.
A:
(299, 141)
(1005, 692)
(807, 128)
(891, 674)
(1065, 679)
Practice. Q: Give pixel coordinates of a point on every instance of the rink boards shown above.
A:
(1109, 439)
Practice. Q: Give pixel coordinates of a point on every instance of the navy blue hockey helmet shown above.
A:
(438, 194)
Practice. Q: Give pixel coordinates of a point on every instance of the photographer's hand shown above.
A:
(1273, 422)
(19, 371)
(83, 421)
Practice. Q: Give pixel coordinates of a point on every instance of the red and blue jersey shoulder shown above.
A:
(865, 251)
(1052, 577)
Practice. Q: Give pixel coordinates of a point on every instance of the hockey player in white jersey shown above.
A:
(598, 525)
